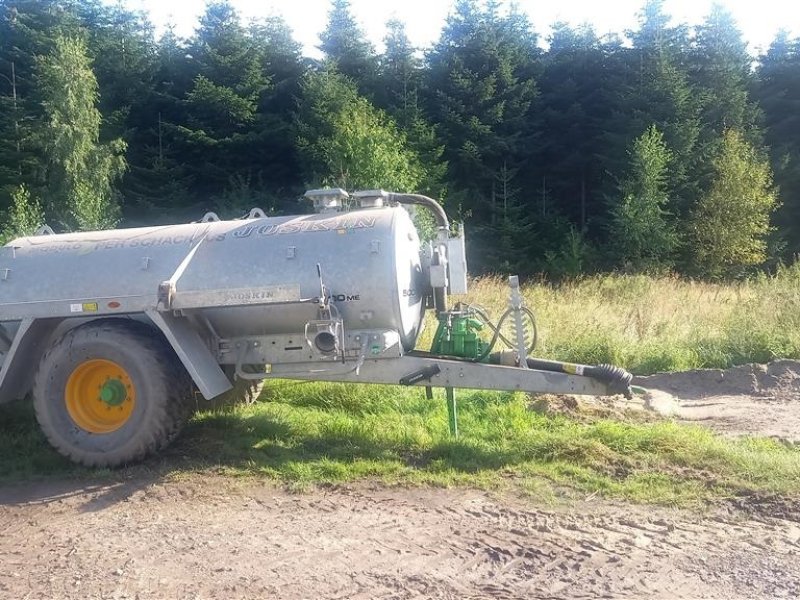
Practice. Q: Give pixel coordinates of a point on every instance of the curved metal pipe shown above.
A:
(420, 200)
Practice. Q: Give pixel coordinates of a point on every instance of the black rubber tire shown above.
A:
(244, 391)
(163, 390)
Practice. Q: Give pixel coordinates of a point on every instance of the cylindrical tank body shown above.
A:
(369, 260)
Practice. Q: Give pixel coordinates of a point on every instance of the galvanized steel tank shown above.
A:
(369, 259)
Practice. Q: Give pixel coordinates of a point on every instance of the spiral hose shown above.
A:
(617, 379)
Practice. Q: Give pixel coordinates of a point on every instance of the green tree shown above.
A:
(398, 91)
(347, 46)
(642, 233)
(346, 142)
(281, 60)
(576, 115)
(230, 80)
(25, 216)
(400, 73)
(731, 222)
(778, 93)
(284, 65)
(157, 186)
(505, 238)
(80, 170)
(660, 93)
(721, 74)
(220, 134)
(122, 46)
(12, 134)
(27, 30)
(481, 86)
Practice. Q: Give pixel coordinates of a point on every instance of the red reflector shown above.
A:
(114, 304)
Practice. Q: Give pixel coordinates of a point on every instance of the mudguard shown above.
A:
(193, 352)
(20, 362)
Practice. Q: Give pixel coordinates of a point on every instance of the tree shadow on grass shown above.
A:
(263, 443)
(258, 443)
(24, 451)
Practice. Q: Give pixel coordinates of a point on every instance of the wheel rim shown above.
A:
(100, 396)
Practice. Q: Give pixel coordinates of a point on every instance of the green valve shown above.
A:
(113, 392)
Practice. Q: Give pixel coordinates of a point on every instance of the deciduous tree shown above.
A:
(731, 222)
(81, 170)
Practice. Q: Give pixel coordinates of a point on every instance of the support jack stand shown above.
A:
(452, 412)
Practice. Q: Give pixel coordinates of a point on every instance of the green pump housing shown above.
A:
(458, 336)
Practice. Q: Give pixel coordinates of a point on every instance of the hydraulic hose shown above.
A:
(496, 329)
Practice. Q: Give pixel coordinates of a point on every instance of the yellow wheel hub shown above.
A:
(100, 396)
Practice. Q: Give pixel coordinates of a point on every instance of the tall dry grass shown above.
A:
(651, 324)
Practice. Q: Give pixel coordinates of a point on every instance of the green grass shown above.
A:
(308, 433)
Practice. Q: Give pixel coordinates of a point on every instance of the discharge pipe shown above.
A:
(420, 200)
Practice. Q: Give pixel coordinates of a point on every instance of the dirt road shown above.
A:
(211, 537)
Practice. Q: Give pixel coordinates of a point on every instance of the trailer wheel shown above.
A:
(110, 392)
(244, 391)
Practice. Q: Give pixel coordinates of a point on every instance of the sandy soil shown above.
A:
(751, 399)
(210, 537)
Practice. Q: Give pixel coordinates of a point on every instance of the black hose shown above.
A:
(497, 329)
(616, 379)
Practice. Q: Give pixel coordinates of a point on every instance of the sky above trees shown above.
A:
(759, 20)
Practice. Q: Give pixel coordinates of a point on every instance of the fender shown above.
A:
(193, 352)
(19, 363)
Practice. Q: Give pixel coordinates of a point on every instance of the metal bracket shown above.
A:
(452, 411)
(27, 346)
(44, 230)
(167, 289)
(257, 213)
(5, 340)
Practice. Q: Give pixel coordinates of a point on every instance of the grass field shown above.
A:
(664, 324)
(307, 433)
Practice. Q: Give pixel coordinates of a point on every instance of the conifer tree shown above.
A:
(660, 93)
(27, 30)
(642, 232)
(481, 89)
(579, 102)
(398, 92)
(347, 46)
(720, 70)
(778, 93)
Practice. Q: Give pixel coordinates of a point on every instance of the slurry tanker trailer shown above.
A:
(115, 333)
